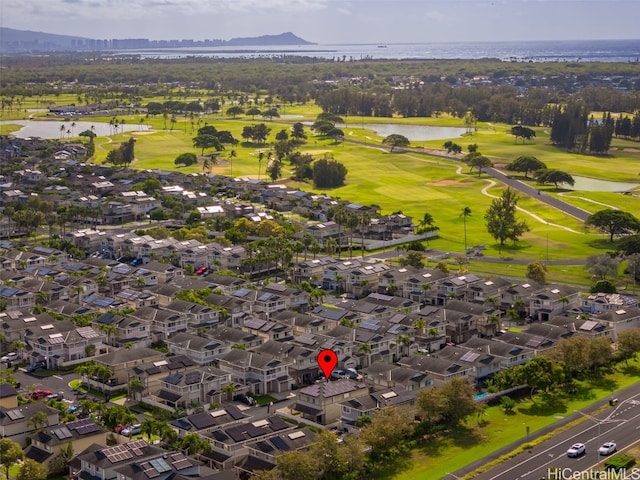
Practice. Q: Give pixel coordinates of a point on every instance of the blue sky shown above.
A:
(331, 21)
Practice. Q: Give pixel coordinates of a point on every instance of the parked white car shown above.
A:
(9, 357)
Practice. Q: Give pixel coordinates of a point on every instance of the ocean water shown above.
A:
(547, 51)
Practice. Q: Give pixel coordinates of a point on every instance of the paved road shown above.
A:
(620, 424)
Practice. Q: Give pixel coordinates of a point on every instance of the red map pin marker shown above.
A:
(327, 361)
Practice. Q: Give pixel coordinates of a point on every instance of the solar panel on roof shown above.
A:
(160, 465)
(264, 447)
(370, 325)
(470, 357)
(588, 325)
(89, 428)
(87, 332)
(306, 339)
(8, 291)
(277, 423)
(173, 379)
(202, 420)
(192, 377)
(264, 297)
(534, 342)
(151, 472)
(380, 296)
(104, 302)
(137, 444)
(15, 414)
(279, 443)
(236, 434)
(243, 292)
(181, 464)
(396, 328)
(79, 423)
(220, 436)
(254, 323)
(234, 412)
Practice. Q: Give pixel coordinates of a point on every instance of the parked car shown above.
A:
(39, 365)
(201, 271)
(136, 262)
(9, 357)
(55, 396)
(39, 393)
(576, 450)
(607, 448)
(352, 373)
(242, 398)
(337, 374)
(131, 430)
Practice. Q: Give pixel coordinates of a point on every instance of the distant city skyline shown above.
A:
(330, 21)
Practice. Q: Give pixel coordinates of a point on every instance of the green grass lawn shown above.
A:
(496, 429)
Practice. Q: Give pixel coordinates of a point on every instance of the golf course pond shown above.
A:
(52, 129)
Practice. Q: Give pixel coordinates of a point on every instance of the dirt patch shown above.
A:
(632, 150)
(316, 152)
(447, 183)
(142, 133)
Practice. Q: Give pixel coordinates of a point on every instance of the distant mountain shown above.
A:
(287, 38)
(21, 41)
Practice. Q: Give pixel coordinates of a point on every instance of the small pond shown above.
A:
(412, 132)
(52, 129)
(587, 184)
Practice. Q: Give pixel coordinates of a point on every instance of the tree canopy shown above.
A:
(526, 164)
(395, 140)
(554, 176)
(614, 222)
(501, 219)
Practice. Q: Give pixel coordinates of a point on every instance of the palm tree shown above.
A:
(364, 349)
(404, 341)
(420, 324)
(260, 158)
(108, 330)
(38, 421)
(229, 389)
(231, 155)
(17, 346)
(466, 211)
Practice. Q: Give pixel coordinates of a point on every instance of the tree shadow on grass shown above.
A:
(604, 383)
(545, 404)
(389, 467)
(465, 436)
(629, 370)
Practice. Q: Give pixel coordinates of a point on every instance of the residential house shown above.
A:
(149, 374)
(321, 403)
(510, 355)
(367, 406)
(260, 373)
(200, 348)
(440, 370)
(193, 387)
(553, 300)
(162, 323)
(47, 444)
(15, 422)
(387, 375)
(600, 302)
(122, 361)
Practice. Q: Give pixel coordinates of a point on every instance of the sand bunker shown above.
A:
(447, 183)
